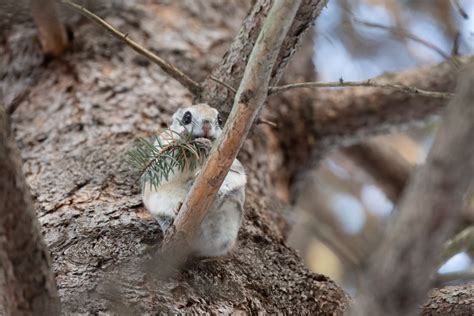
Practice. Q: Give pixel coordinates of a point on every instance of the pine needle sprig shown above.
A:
(154, 161)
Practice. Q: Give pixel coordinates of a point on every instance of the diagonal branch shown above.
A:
(249, 100)
(398, 31)
(400, 273)
(194, 87)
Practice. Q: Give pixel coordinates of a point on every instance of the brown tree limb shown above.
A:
(349, 115)
(401, 269)
(386, 166)
(249, 99)
(29, 286)
(363, 83)
(321, 122)
(51, 32)
(194, 87)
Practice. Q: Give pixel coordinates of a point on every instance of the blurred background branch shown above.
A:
(384, 164)
(51, 31)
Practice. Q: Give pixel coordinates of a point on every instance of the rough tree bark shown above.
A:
(450, 300)
(73, 127)
(27, 285)
(78, 117)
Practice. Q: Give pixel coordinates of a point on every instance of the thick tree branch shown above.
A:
(401, 269)
(28, 282)
(51, 32)
(249, 99)
(349, 115)
(321, 122)
(170, 69)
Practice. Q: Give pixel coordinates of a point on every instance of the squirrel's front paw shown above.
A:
(165, 222)
(205, 143)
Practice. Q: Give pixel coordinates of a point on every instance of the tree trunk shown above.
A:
(27, 285)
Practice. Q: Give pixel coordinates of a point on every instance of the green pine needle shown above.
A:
(154, 161)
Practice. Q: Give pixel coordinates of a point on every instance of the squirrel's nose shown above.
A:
(206, 128)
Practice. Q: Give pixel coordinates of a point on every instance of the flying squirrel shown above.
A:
(217, 233)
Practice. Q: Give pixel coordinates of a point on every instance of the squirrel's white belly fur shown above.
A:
(219, 229)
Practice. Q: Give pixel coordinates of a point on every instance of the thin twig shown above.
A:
(455, 48)
(223, 83)
(171, 70)
(363, 83)
(404, 33)
(460, 9)
(269, 123)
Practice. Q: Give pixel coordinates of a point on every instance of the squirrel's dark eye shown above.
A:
(187, 118)
(219, 119)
